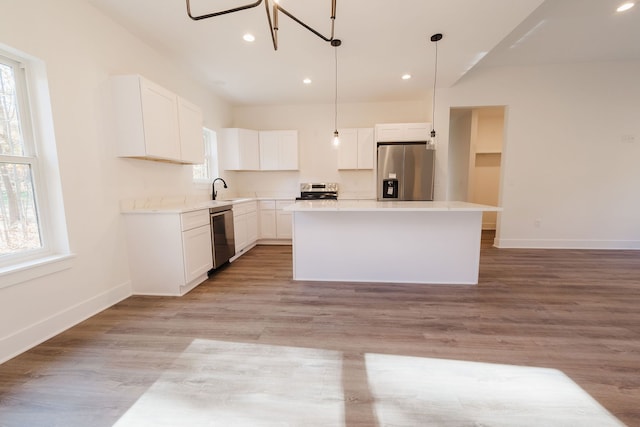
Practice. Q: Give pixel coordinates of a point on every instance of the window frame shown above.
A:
(36, 123)
(210, 141)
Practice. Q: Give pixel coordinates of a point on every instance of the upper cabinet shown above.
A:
(403, 132)
(154, 123)
(191, 137)
(356, 149)
(278, 150)
(241, 148)
(250, 150)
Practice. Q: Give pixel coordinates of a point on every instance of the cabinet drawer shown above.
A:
(267, 204)
(244, 208)
(281, 204)
(194, 219)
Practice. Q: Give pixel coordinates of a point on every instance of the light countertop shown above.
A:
(182, 205)
(378, 206)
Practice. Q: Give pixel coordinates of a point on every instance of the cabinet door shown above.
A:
(240, 232)
(252, 227)
(283, 219)
(389, 132)
(288, 150)
(198, 259)
(240, 148)
(249, 149)
(348, 149)
(191, 138)
(279, 150)
(269, 147)
(397, 132)
(268, 224)
(284, 224)
(366, 148)
(160, 117)
(417, 131)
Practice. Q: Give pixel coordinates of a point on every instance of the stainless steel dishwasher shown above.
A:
(222, 235)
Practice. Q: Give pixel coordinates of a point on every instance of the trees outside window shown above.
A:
(20, 229)
(207, 171)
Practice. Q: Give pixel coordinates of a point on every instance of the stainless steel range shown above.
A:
(318, 191)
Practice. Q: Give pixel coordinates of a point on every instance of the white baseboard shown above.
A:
(566, 244)
(275, 242)
(26, 338)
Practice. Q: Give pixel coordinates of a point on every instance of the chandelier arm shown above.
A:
(222, 12)
(273, 26)
(283, 10)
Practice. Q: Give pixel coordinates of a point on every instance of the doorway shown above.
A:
(476, 139)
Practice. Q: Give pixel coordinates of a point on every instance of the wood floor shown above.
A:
(575, 311)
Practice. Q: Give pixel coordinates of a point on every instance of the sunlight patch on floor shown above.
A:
(217, 383)
(412, 391)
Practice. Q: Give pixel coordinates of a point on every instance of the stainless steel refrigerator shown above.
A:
(405, 171)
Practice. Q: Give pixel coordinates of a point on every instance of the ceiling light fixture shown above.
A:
(431, 145)
(249, 37)
(336, 137)
(306, 81)
(625, 7)
(406, 76)
(272, 18)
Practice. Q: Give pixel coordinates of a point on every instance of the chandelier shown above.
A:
(272, 19)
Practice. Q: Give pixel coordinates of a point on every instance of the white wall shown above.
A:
(318, 157)
(459, 148)
(567, 163)
(81, 48)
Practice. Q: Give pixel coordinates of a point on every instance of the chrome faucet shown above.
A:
(213, 187)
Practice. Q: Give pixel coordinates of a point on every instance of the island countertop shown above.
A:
(377, 206)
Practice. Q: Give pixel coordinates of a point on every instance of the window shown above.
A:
(19, 225)
(33, 235)
(209, 170)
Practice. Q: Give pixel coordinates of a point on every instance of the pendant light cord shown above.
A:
(433, 106)
(335, 121)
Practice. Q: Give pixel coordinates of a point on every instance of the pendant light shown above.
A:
(336, 137)
(431, 145)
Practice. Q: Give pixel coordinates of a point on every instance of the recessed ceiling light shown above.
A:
(249, 37)
(307, 81)
(625, 7)
(406, 76)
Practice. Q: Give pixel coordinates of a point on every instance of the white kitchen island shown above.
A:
(371, 241)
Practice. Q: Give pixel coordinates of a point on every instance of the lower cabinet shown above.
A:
(245, 224)
(169, 253)
(275, 222)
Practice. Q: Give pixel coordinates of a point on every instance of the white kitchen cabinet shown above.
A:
(403, 132)
(197, 252)
(245, 224)
(169, 253)
(278, 150)
(241, 148)
(356, 149)
(191, 137)
(153, 123)
(283, 219)
(267, 210)
(252, 227)
(275, 222)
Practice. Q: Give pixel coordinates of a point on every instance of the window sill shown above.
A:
(33, 269)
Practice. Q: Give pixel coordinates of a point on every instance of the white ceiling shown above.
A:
(381, 41)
